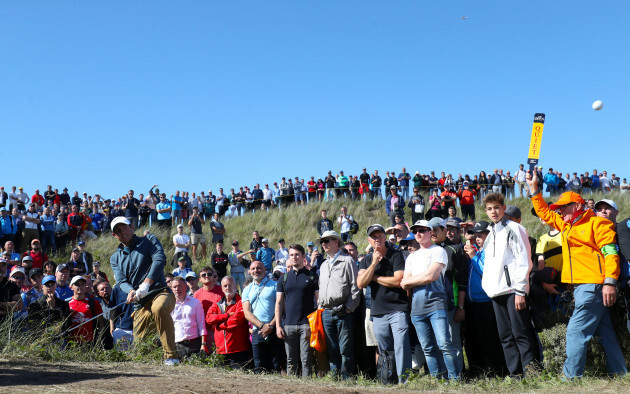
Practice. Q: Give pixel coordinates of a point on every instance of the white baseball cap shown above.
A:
(120, 220)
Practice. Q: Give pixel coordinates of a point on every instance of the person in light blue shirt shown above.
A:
(259, 302)
(266, 256)
(47, 221)
(163, 209)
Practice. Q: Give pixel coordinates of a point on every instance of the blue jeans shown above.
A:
(591, 317)
(435, 337)
(456, 336)
(405, 192)
(339, 334)
(239, 278)
(392, 334)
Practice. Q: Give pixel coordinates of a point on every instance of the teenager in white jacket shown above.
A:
(506, 281)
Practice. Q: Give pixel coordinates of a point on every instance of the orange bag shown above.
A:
(318, 339)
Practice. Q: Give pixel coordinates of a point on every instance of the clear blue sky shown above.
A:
(103, 96)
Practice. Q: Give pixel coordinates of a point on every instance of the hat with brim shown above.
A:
(120, 220)
(479, 227)
(374, 228)
(18, 269)
(330, 234)
(49, 278)
(437, 222)
(421, 223)
(452, 223)
(76, 278)
(567, 198)
(606, 201)
(35, 271)
(410, 237)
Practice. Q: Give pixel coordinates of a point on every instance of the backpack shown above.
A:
(354, 227)
(386, 368)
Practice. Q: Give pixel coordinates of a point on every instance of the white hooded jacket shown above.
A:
(507, 261)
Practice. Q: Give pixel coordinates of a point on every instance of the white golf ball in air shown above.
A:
(597, 105)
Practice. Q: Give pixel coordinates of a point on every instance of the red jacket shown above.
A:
(466, 196)
(38, 199)
(231, 334)
(71, 219)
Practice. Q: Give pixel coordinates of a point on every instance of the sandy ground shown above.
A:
(23, 375)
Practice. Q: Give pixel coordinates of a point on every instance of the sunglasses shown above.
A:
(324, 241)
(50, 284)
(18, 277)
(207, 275)
(421, 231)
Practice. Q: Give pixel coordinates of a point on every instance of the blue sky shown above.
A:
(199, 95)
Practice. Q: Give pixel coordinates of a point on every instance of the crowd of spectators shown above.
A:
(415, 298)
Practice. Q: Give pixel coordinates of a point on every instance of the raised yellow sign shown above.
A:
(534, 143)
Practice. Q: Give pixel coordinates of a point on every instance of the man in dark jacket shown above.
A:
(324, 223)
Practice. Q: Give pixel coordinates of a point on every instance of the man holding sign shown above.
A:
(591, 265)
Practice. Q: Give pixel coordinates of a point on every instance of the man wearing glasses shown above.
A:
(339, 296)
(591, 265)
(210, 293)
(138, 265)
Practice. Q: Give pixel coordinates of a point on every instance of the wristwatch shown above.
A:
(460, 307)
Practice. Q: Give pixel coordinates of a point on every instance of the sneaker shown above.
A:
(171, 361)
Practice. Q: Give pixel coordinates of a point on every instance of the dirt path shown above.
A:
(23, 375)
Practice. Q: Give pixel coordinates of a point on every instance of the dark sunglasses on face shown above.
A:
(206, 275)
(324, 241)
(50, 284)
(420, 230)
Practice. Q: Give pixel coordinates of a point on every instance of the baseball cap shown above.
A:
(606, 201)
(49, 278)
(310, 244)
(375, 227)
(234, 242)
(281, 240)
(96, 263)
(62, 267)
(567, 198)
(265, 240)
(18, 269)
(410, 237)
(452, 223)
(35, 271)
(479, 227)
(513, 211)
(393, 187)
(437, 222)
(75, 279)
(35, 240)
(76, 250)
(27, 258)
(191, 274)
(180, 225)
(81, 243)
(120, 220)
(421, 223)
(280, 268)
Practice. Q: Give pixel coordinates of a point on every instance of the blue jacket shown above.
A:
(145, 259)
(550, 179)
(266, 256)
(475, 292)
(401, 203)
(7, 225)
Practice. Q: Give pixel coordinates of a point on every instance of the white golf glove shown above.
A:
(142, 291)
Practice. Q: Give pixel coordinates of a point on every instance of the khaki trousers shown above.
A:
(156, 314)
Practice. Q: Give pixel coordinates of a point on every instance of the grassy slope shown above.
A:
(297, 225)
